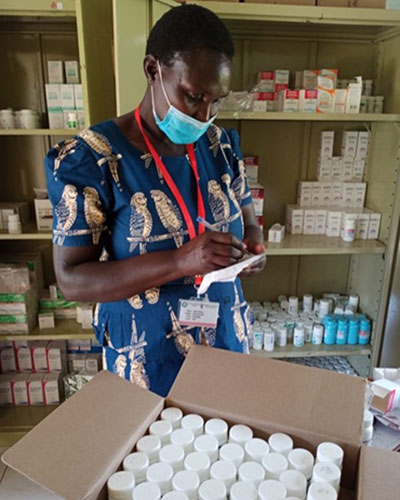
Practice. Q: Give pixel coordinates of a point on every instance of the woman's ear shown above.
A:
(150, 69)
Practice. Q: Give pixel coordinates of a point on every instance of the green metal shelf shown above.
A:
(310, 350)
(39, 131)
(309, 117)
(66, 329)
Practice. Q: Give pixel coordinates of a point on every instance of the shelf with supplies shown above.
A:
(66, 329)
(310, 350)
(29, 232)
(39, 131)
(21, 419)
(299, 244)
(309, 117)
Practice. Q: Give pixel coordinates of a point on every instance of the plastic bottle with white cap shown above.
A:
(295, 483)
(224, 471)
(199, 462)
(271, 490)
(301, 460)
(172, 455)
(298, 336)
(240, 434)
(243, 490)
(184, 438)
(175, 495)
(255, 449)
(146, 491)
(187, 482)
(317, 334)
(330, 452)
(252, 472)
(173, 415)
(162, 475)
(326, 472)
(212, 490)
(137, 463)
(353, 300)
(293, 306)
(307, 303)
(162, 429)
(232, 452)
(321, 491)
(274, 464)
(194, 423)
(151, 445)
(280, 443)
(368, 426)
(207, 444)
(218, 428)
(120, 485)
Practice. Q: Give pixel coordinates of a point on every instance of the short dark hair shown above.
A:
(186, 28)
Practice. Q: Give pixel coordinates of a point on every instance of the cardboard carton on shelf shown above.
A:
(270, 396)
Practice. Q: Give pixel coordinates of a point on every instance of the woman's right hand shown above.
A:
(208, 252)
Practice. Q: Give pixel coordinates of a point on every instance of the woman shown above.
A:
(126, 196)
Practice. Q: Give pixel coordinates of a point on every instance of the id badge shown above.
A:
(195, 312)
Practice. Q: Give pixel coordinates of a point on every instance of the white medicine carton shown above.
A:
(309, 221)
(35, 389)
(19, 389)
(294, 219)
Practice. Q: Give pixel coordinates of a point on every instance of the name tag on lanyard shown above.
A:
(194, 312)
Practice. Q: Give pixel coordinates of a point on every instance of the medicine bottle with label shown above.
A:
(365, 332)
(349, 231)
(342, 332)
(307, 303)
(258, 337)
(269, 340)
(281, 336)
(318, 334)
(330, 332)
(354, 327)
(72, 120)
(298, 338)
(293, 306)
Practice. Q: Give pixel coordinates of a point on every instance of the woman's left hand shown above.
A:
(254, 247)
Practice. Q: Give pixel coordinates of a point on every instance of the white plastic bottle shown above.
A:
(255, 449)
(151, 445)
(14, 224)
(200, 463)
(321, 491)
(240, 434)
(330, 452)
(317, 334)
(326, 472)
(269, 340)
(280, 443)
(187, 482)
(184, 438)
(161, 474)
(224, 471)
(294, 482)
(274, 464)
(162, 429)
(217, 428)
(298, 336)
(194, 423)
(120, 485)
(252, 472)
(301, 460)
(173, 415)
(137, 463)
(232, 452)
(243, 490)
(172, 455)
(146, 491)
(293, 306)
(271, 490)
(212, 490)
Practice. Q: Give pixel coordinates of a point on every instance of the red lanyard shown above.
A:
(173, 187)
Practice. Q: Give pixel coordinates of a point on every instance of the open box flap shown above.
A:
(259, 390)
(75, 449)
(379, 474)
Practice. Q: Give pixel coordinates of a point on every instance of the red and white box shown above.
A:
(51, 389)
(6, 398)
(281, 79)
(263, 102)
(56, 352)
(23, 356)
(266, 82)
(7, 358)
(19, 389)
(288, 101)
(251, 163)
(260, 220)
(326, 94)
(308, 101)
(35, 389)
(39, 356)
(257, 194)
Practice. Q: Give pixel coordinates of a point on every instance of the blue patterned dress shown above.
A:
(105, 191)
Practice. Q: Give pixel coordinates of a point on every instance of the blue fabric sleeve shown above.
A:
(79, 194)
(239, 169)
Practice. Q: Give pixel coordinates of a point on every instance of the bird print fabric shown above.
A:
(106, 192)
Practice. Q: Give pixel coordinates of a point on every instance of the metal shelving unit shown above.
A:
(39, 131)
(309, 117)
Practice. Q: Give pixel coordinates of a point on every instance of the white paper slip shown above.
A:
(228, 273)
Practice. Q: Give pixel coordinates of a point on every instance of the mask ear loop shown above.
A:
(162, 83)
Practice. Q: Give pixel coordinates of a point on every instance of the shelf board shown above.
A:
(310, 350)
(66, 329)
(29, 232)
(22, 418)
(39, 131)
(37, 8)
(309, 117)
(322, 245)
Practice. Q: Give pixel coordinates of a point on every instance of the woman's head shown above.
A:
(188, 62)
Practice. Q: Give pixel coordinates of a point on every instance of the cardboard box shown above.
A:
(306, 79)
(81, 119)
(266, 81)
(257, 194)
(281, 79)
(39, 355)
(308, 101)
(340, 101)
(358, 169)
(294, 219)
(349, 143)
(32, 262)
(324, 172)
(56, 119)
(309, 221)
(348, 192)
(304, 193)
(55, 71)
(72, 71)
(35, 389)
(78, 96)
(333, 223)
(326, 94)
(362, 145)
(56, 351)
(252, 174)
(326, 194)
(374, 224)
(362, 226)
(319, 398)
(52, 389)
(326, 149)
(288, 101)
(337, 194)
(337, 168)
(14, 207)
(20, 389)
(23, 358)
(348, 169)
(7, 358)
(53, 96)
(360, 189)
(320, 221)
(276, 233)
(67, 96)
(6, 398)
(44, 214)
(317, 196)
(264, 101)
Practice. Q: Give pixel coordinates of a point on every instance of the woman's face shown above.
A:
(194, 83)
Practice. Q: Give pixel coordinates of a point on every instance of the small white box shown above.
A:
(46, 320)
(374, 224)
(320, 221)
(51, 389)
(53, 96)
(20, 389)
(348, 166)
(362, 145)
(325, 169)
(276, 233)
(360, 189)
(326, 194)
(56, 119)
(317, 196)
(337, 168)
(55, 71)
(252, 173)
(288, 101)
(309, 221)
(349, 143)
(57, 355)
(257, 194)
(340, 101)
(77, 363)
(326, 149)
(304, 193)
(7, 358)
(39, 358)
(333, 223)
(294, 219)
(78, 96)
(24, 358)
(348, 194)
(266, 81)
(81, 119)
(281, 79)
(337, 194)
(308, 101)
(87, 317)
(358, 169)
(72, 71)
(92, 363)
(6, 398)
(67, 96)
(35, 389)
(44, 214)
(362, 226)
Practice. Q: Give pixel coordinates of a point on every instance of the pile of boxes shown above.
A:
(324, 207)
(64, 95)
(20, 208)
(256, 189)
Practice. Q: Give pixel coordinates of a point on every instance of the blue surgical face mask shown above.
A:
(179, 127)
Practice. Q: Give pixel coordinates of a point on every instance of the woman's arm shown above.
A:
(81, 276)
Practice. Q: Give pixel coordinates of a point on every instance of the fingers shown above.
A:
(227, 239)
(227, 251)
